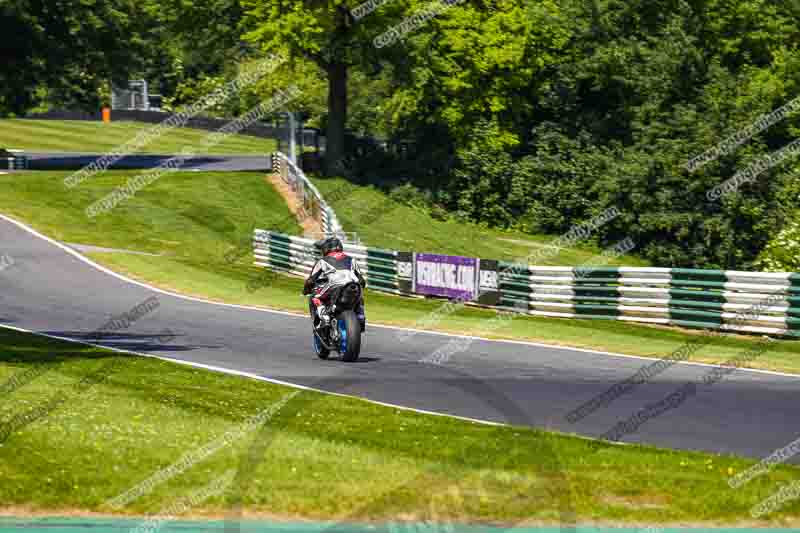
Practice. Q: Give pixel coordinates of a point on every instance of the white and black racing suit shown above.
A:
(333, 271)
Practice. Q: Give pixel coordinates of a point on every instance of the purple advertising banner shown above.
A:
(446, 275)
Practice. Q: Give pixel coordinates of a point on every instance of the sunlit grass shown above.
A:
(326, 457)
(98, 137)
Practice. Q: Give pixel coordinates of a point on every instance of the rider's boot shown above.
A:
(324, 318)
(320, 317)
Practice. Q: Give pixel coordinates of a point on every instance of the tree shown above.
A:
(324, 33)
(601, 103)
(479, 61)
(70, 47)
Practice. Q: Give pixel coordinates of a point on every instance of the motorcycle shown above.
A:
(343, 332)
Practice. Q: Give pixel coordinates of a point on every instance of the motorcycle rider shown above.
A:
(334, 270)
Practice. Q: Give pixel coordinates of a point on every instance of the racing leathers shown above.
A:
(330, 273)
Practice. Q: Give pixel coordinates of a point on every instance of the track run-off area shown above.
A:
(53, 290)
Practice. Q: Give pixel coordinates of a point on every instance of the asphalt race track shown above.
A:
(48, 290)
(74, 161)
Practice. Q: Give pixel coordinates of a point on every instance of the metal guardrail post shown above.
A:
(307, 194)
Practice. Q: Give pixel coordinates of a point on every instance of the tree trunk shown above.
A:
(337, 117)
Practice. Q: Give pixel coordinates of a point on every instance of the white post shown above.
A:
(292, 138)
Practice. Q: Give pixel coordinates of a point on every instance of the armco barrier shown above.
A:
(296, 255)
(728, 300)
(308, 195)
(754, 302)
(13, 160)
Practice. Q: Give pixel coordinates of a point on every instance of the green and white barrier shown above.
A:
(729, 300)
(756, 302)
(296, 255)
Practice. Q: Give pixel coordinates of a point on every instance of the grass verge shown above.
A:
(197, 219)
(98, 137)
(381, 221)
(325, 457)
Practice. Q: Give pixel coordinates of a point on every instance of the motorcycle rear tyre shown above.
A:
(352, 342)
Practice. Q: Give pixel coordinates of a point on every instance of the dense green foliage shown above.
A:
(66, 50)
(599, 104)
(65, 54)
(525, 114)
(783, 253)
(539, 115)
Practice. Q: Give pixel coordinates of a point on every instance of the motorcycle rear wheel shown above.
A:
(350, 336)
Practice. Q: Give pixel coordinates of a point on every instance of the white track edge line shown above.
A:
(122, 277)
(250, 375)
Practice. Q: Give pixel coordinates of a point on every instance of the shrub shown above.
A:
(782, 254)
